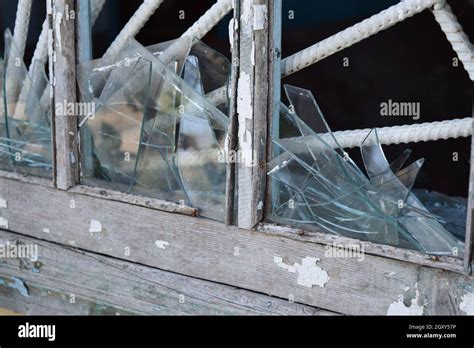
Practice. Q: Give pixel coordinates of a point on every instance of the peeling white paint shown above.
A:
(3, 203)
(161, 244)
(467, 303)
(3, 223)
(59, 19)
(259, 17)
(95, 226)
(245, 112)
(260, 205)
(399, 308)
(252, 54)
(233, 26)
(309, 273)
(46, 230)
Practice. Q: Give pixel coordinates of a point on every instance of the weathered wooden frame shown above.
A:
(266, 259)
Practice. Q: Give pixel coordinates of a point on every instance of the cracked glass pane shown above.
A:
(316, 185)
(153, 132)
(25, 137)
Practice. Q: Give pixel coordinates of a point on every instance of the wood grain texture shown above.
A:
(413, 256)
(26, 178)
(252, 108)
(152, 203)
(232, 132)
(63, 71)
(73, 282)
(209, 250)
(274, 88)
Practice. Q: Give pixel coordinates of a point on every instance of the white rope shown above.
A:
(22, 22)
(414, 133)
(354, 34)
(347, 38)
(199, 29)
(41, 51)
(138, 20)
(456, 36)
(20, 35)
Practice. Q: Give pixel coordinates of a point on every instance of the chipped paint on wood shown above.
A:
(3, 203)
(309, 273)
(467, 303)
(233, 27)
(95, 226)
(259, 17)
(245, 112)
(161, 244)
(399, 308)
(3, 223)
(58, 22)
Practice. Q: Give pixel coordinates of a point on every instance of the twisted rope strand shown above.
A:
(200, 28)
(22, 22)
(354, 34)
(451, 27)
(414, 133)
(131, 29)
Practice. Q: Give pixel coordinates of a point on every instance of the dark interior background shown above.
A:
(411, 61)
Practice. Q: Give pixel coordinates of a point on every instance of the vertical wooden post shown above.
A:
(274, 98)
(469, 243)
(252, 109)
(232, 142)
(84, 24)
(63, 76)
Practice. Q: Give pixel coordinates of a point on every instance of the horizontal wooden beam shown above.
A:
(152, 203)
(73, 282)
(413, 256)
(284, 267)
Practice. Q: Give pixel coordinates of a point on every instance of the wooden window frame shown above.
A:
(253, 255)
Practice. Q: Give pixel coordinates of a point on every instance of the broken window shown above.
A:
(343, 182)
(152, 132)
(318, 186)
(25, 126)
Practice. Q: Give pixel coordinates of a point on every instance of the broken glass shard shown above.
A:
(317, 185)
(25, 138)
(154, 133)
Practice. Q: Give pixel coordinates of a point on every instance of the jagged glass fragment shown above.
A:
(155, 134)
(25, 137)
(318, 186)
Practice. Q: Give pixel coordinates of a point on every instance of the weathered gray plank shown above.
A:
(63, 74)
(232, 133)
(26, 178)
(69, 281)
(413, 256)
(252, 108)
(275, 27)
(47, 301)
(152, 203)
(276, 265)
